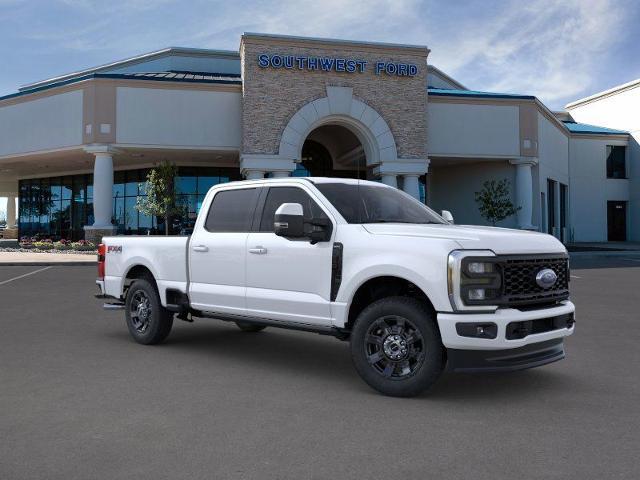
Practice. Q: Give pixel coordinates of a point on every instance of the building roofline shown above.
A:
(448, 78)
(336, 41)
(120, 76)
(445, 92)
(133, 61)
(605, 93)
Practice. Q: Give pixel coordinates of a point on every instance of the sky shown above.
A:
(557, 50)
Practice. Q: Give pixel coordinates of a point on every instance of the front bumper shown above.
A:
(529, 356)
(502, 318)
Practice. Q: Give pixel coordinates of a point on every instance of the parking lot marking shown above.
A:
(25, 275)
(575, 276)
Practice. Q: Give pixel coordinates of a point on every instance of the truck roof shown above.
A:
(316, 180)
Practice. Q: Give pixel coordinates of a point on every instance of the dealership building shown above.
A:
(75, 149)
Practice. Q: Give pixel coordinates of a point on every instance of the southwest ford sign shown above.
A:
(334, 64)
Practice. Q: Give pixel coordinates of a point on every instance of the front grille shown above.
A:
(519, 287)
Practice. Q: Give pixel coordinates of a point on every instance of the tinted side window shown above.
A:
(232, 211)
(279, 195)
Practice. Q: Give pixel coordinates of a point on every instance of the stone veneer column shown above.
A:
(524, 191)
(102, 193)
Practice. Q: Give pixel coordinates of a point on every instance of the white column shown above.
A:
(524, 192)
(411, 185)
(253, 174)
(280, 174)
(390, 179)
(11, 212)
(103, 190)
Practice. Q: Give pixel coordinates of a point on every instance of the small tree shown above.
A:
(494, 201)
(161, 199)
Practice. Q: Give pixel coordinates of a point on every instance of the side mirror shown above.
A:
(446, 214)
(289, 221)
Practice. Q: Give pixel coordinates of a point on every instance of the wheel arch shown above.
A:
(382, 286)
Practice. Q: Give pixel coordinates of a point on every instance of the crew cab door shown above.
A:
(217, 252)
(288, 279)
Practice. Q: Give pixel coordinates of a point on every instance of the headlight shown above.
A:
(474, 280)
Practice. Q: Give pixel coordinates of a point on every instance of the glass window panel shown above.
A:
(54, 218)
(205, 183)
(186, 184)
(119, 214)
(79, 187)
(131, 185)
(200, 201)
(65, 219)
(90, 186)
(56, 188)
(67, 189)
(131, 215)
(145, 224)
(78, 220)
(89, 210)
(118, 184)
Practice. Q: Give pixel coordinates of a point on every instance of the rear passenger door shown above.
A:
(288, 279)
(217, 253)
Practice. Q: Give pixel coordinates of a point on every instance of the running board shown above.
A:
(265, 322)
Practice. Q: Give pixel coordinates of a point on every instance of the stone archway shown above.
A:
(339, 107)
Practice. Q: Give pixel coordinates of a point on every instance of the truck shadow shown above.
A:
(328, 360)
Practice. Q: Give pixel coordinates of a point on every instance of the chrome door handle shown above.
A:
(258, 250)
(200, 248)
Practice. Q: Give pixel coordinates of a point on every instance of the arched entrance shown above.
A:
(333, 151)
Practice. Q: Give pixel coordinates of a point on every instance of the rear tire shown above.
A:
(396, 346)
(148, 321)
(250, 327)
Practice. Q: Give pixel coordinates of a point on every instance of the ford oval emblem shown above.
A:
(546, 278)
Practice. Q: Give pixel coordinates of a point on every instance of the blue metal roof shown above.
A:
(575, 127)
(188, 77)
(444, 92)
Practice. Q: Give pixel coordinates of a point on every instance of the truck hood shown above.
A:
(500, 240)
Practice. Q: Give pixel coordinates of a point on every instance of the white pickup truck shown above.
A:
(358, 260)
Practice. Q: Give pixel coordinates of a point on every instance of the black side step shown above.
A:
(229, 317)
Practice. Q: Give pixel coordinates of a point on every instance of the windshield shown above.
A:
(376, 204)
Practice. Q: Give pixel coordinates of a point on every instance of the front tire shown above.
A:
(396, 347)
(148, 321)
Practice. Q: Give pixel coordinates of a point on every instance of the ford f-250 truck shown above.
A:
(358, 260)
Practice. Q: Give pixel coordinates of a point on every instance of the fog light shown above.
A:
(477, 330)
(476, 294)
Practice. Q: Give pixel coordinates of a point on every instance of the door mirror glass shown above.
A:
(289, 221)
(446, 214)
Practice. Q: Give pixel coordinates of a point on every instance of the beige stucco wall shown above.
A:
(272, 96)
(178, 117)
(50, 122)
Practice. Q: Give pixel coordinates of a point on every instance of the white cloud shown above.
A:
(547, 48)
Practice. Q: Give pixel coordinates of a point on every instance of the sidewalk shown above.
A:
(36, 259)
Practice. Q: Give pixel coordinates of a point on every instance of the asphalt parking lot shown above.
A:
(80, 400)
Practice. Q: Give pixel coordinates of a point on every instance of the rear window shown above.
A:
(232, 211)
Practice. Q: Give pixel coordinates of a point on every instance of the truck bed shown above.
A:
(164, 257)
